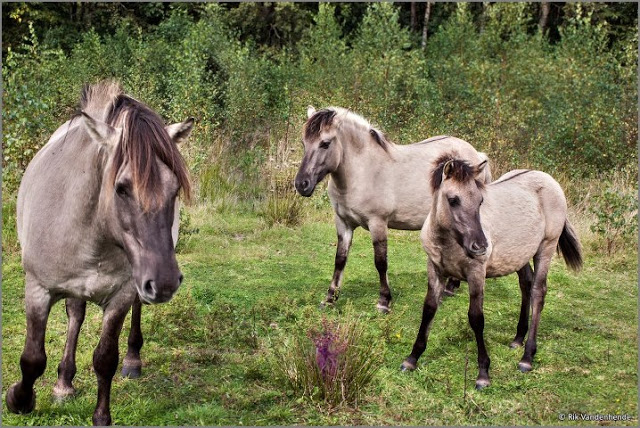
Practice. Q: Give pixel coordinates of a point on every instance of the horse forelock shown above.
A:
(144, 138)
(317, 122)
(461, 172)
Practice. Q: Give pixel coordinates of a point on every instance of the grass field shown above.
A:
(209, 354)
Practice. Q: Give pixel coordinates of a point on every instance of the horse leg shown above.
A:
(132, 364)
(63, 388)
(476, 320)
(21, 397)
(525, 279)
(541, 264)
(429, 308)
(378, 231)
(345, 236)
(451, 286)
(105, 359)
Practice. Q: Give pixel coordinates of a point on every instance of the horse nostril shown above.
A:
(149, 288)
(180, 278)
(305, 184)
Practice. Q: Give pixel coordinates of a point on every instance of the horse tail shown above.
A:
(570, 248)
(487, 169)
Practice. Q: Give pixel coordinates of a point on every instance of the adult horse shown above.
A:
(374, 183)
(476, 231)
(76, 308)
(95, 211)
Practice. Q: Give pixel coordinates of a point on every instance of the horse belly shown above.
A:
(506, 260)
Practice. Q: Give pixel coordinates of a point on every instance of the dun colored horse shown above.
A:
(95, 213)
(476, 231)
(374, 183)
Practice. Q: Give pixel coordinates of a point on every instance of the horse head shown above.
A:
(141, 183)
(458, 194)
(322, 149)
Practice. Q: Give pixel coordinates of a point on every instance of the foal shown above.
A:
(476, 231)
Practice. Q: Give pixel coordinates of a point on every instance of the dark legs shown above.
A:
(451, 286)
(476, 320)
(378, 230)
(105, 360)
(132, 364)
(525, 279)
(21, 397)
(541, 263)
(345, 235)
(67, 369)
(429, 308)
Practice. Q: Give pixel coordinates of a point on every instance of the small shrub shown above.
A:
(616, 214)
(185, 231)
(283, 205)
(9, 227)
(333, 364)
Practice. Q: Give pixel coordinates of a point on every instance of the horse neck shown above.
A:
(358, 158)
(105, 211)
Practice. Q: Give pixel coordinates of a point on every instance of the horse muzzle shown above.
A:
(305, 187)
(156, 291)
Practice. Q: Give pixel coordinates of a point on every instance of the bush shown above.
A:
(333, 364)
(616, 212)
(283, 205)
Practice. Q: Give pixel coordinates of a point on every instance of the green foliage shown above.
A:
(488, 75)
(616, 212)
(186, 231)
(283, 205)
(333, 363)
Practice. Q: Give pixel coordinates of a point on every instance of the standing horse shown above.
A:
(76, 308)
(95, 212)
(476, 231)
(374, 183)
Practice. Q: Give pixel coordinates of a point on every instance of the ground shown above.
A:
(209, 353)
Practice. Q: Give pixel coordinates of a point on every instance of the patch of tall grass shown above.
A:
(332, 363)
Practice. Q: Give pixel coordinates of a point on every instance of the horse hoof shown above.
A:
(524, 367)
(384, 309)
(101, 419)
(515, 344)
(407, 367)
(325, 304)
(20, 404)
(132, 372)
(482, 383)
(62, 392)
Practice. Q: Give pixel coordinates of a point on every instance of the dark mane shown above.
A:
(461, 171)
(324, 118)
(143, 137)
(379, 138)
(319, 120)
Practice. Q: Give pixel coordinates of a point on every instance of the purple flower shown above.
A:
(329, 346)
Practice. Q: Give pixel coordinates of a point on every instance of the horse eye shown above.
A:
(122, 190)
(325, 144)
(454, 201)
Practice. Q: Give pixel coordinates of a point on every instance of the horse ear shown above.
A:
(481, 166)
(180, 131)
(447, 170)
(311, 110)
(100, 131)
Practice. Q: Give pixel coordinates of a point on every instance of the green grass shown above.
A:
(209, 354)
